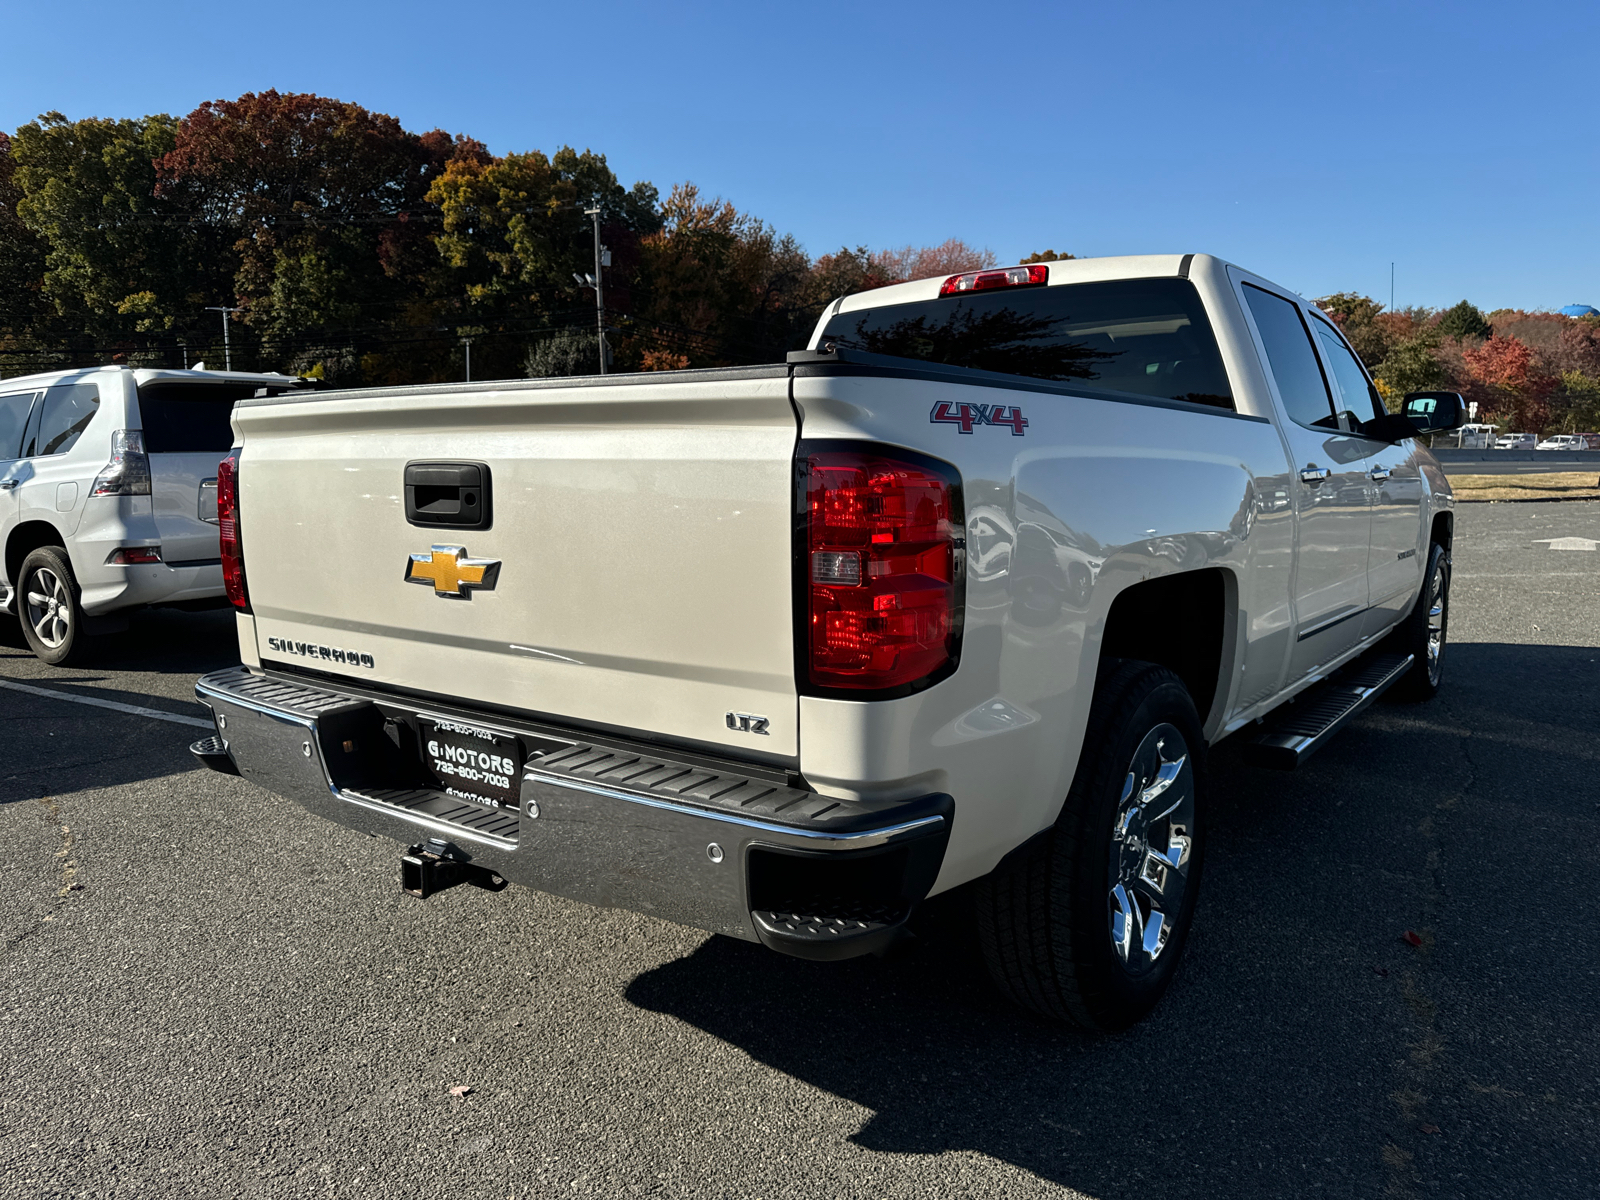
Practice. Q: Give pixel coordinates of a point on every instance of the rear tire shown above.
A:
(1087, 922)
(48, 604)
(1423, 634)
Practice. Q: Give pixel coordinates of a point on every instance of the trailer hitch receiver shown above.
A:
(435, 865)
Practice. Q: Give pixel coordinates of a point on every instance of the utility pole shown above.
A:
(599, 300)
(227, 350)
(467, 342)
(1391, 287)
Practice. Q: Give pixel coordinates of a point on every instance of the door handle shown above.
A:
(1378, 474)
(1313, 474)
(7, 484)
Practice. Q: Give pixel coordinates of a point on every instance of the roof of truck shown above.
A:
(1062, 271)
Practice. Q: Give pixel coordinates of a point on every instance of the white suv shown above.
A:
(108, 495)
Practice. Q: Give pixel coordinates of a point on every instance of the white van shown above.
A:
(108, 495)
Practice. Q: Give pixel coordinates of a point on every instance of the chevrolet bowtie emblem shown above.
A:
(451, 572)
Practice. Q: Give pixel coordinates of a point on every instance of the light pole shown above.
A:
(599, 300)
(227, 350)
(467, 342)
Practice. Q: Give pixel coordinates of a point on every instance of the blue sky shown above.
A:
(1314, 144)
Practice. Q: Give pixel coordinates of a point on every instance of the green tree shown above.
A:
(24, 340)
(514, 233)
(1411, 365)
(1464, 321)
(122, 265)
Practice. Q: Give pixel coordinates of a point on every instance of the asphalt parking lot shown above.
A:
(209, 993)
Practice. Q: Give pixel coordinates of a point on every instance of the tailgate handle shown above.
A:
(448, 495)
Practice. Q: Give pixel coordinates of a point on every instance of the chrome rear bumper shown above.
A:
(710, 844)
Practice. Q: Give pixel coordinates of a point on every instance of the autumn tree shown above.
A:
(314, 197)
(1045, 256)
(717, 285)
(950, 257)
(1506, 365)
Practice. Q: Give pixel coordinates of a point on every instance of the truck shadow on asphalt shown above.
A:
(1305, 1042)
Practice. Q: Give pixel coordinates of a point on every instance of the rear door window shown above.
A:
(1292, 358)
(1148, 337)
(14, 410)
(68, 409)
(190, 418)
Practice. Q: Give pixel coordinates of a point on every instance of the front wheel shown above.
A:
(1422, 634)
(47, 602)
(1087, 923)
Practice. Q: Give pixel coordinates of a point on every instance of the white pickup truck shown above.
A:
(961, 594)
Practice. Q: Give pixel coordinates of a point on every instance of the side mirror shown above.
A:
(1435, 412)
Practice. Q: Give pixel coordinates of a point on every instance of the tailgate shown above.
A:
(642, 532)
(183, 494)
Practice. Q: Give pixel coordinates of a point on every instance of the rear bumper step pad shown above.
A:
(697, 842)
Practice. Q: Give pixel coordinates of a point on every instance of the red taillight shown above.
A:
(883, 562)
(228, 527)
(132, 556)
(982, 281)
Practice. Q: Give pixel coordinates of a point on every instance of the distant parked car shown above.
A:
(1475, 437)
(108, 495)
(1592, 440)
(1563, 441)
(1516, 441)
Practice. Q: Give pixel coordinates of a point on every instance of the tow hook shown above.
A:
(433, 866)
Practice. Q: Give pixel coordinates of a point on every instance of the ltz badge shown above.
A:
(451, 572)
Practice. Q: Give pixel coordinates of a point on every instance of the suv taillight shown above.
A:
(883, 557)
(128, 472)
(228, 528)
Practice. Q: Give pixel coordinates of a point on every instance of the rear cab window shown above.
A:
(180, 417)
(1291, 358)
(1139, 337)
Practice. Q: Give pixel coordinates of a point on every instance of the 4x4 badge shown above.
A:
(451, 572)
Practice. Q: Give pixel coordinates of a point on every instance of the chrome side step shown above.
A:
(1299, 729)
(7, 595)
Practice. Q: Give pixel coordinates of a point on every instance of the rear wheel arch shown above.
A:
(25, 539)
(1186, 622)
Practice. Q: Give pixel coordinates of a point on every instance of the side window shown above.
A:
(13, 420)
(1352, 393)
(68, 409)
(1292, 358)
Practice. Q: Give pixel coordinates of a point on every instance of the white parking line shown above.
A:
(134, 709)
(1569, 543)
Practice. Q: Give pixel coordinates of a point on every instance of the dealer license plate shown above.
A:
(472, 764)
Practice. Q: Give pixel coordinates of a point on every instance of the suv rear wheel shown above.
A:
(1087, 922)
(47, 603)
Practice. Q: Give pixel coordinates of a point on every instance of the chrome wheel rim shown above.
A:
(1438, 619)
(1152, 837)
(49, 608)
